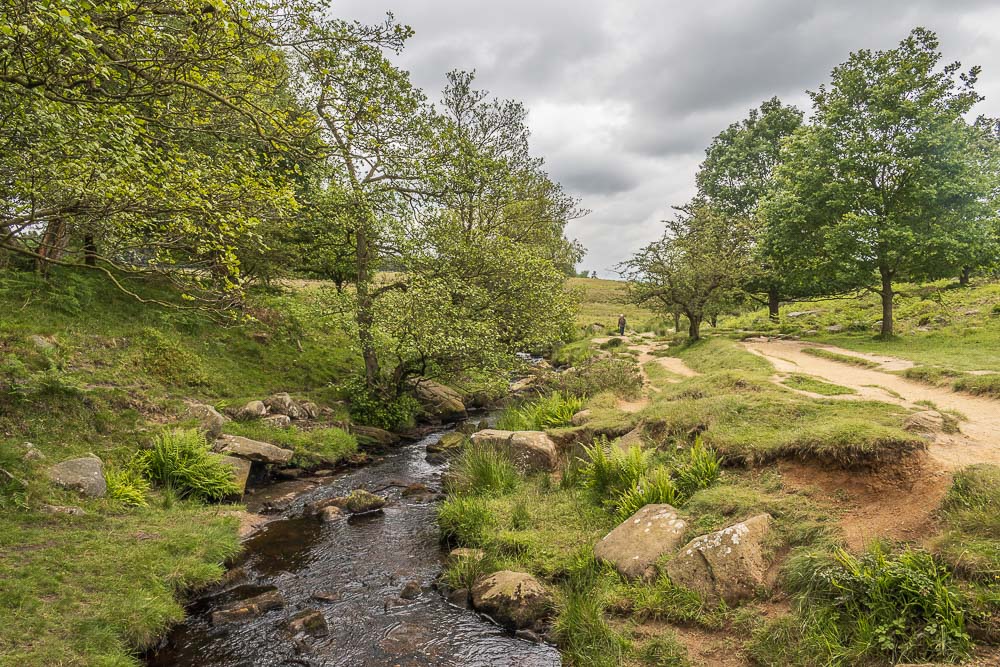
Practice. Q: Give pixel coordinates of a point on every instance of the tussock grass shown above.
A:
(552, 411)
(615, 374)
(482, 470)
(970, 542)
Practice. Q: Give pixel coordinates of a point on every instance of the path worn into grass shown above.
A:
(979, 440)
(645, 349)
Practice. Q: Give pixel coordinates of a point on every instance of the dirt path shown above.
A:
(645, 350)
(979, 440)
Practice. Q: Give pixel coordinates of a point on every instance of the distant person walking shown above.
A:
(621, 324)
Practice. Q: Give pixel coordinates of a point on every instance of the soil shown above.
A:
(897, 503)
(979, 440)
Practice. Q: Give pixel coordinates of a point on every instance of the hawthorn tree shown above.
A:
(703, 258)
(889, 182)
(738, 170)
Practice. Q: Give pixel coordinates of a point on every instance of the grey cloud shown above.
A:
(624, 96)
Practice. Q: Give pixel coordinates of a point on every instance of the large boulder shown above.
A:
(729, 564)
(642, 539)
(250, 411)
(252, 450)
(85, 475)
(241, 470)
(283, 404)
(528, 450)
(440, 402)
(516, 600)
(209, 419)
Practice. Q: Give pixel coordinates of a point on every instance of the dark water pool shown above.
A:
(362, 564)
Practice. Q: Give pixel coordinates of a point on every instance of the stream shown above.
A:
(360, 566)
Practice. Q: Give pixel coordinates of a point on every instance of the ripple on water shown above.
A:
(361, 565)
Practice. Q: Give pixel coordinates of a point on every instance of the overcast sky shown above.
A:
(624, 95)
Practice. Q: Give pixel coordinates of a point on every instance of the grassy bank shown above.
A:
(87, 369)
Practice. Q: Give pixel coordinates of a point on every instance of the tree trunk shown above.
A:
(887, 295)
(966, 274)
(773, 304)
(365, 313)
(714, 321)
(51, 246)
(694, 327)
(677, 322)
(89, 250)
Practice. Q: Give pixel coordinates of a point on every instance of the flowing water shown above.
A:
(362, 564)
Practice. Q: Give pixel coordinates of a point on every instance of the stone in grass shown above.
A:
(530, 451)
(638, 542)
(283, 404)
(515, 600)
(309, 622)
(84, 475)
(250, 411)
(210, 420)
(252, 450)
(249, 608)
(728, 564)
(240, 468)
(452, 440)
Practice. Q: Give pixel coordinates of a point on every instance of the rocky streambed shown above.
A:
(357, 589)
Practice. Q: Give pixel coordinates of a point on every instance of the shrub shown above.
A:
(612, 343)
(552, 411)
(620, 375)
(127, 486)
(181, 461)
(877, 606)
(482, 470)
(466, 521)
(375, 409)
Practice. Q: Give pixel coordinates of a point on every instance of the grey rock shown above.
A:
(210, 420)
(250, 411)
(252, 450)
(514, 599)
(85, 474)
(283, 404)
(241, 470)
(310, 622)
(411, 591)
(635, 545)
(249, 608)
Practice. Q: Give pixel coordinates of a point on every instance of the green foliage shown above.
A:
(617, 374)
(482, 470)
(550, 411)
(165, 359)
(810, 384)
(379, 409)
(700, 471)
(824, 353)
(654, 487)
(127, 485)
(877, 606)
(313, 448)
(664, 651)
(663, 601)
(182, 461)
(466, 521)
(608, 470)
(584, 636)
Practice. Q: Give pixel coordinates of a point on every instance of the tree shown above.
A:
(738, 170)
(703, 257)
(888, 184)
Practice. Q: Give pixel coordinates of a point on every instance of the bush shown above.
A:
(620, 375)
(613, 343)
(181, 461)
(877, 606)
(607, 470)
(374, 409)
(482, 470)
(552, 411)
(465, 521)
(127, 486)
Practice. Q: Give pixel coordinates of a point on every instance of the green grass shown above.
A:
(89, 590)
(551, 411)
(482, 470)
(938, 324)
(830, 355)
(749, 420)
(876, 608)
(808, 383)
(181, 461)
(314, 448)
(970, 542)
(602, 301)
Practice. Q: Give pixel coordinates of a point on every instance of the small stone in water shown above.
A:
(410, 591)
(326, 596)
